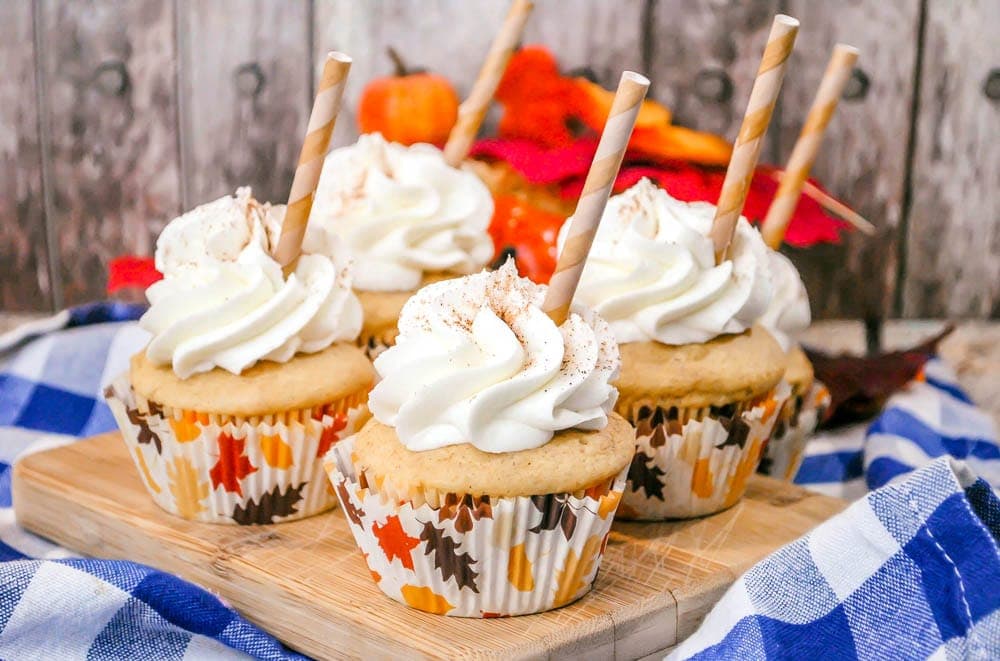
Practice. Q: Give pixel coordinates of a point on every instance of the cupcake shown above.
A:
(408, 219)
(250, 377)
(699, 380)
(786, 317)
(487, 480)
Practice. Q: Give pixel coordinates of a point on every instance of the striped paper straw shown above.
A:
(473, 109)
(321, 121)
(596, 189)
(838, 71)
(763, 96)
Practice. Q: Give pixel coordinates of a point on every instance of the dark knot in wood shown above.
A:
(857, 85)
(713, 85)
(991, 86)
(249, 79)
(111, 78)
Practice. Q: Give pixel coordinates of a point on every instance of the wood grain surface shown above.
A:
(306, 583)
(953, 239)
(109, 70)
(244, 99)
(864, 155)
(24, 262)
(149, 107)
(704, 56)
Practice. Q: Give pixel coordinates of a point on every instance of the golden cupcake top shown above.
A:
(338, 371)
(572, 461)
(730, 368)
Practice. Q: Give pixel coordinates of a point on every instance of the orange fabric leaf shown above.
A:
(519, 569)
(395, 542)
(570, 578)
(233, 465)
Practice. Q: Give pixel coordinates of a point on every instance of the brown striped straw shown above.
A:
(321, 121)
(473, 109)
(763, 96)
(596, 189)
(838, 72)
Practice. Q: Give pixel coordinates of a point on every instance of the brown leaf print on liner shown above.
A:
(447, 560)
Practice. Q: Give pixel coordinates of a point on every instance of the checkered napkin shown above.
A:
(930, 418)
(58, 607)
(910, 571)
(55, 606)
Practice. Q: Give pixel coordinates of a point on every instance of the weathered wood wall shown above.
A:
(116, 115)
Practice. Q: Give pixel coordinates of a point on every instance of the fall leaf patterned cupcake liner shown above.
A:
(693, 462)
(225, 469)
(798, 419)
(469, 556)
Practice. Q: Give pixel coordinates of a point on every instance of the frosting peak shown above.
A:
(652, 274)
(224, 301)
(788, 314)
(477, 361)
(403, 211)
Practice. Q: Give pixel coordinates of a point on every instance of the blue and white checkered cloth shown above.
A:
(910, 571)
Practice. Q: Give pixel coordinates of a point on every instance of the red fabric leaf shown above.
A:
(232, 465)
(331, 434)
(131, 271)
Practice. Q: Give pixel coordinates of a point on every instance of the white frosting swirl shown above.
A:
(788, 314)
(652, 274)
(403, 212)
(477, 361)
(224, 302)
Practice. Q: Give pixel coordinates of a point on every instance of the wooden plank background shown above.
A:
(115, 116)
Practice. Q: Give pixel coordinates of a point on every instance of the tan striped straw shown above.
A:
(763, 96)
(320, 128)
(596, 189)
(473, 109)
(838, 72)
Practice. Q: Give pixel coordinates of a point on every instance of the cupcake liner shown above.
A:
(693, 462)
(228, 469)
(796, 422)
(469, 556)
(375, 343)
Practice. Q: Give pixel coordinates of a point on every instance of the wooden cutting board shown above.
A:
(306, 583)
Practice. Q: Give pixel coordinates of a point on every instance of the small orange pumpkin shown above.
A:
(408, 107)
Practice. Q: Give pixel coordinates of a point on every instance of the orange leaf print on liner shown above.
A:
(144, 469)
(277, 453)
(187, 429)
(232, 465)
(187, 490)
(608, 503)
(519, 569)
(570, 583)
(425, 599)
(745, 469)
(702, 480)
(395, 542)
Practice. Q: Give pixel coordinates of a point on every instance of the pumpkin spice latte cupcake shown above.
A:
(250, 376)
(699, 381)
(487, 481)
(408, 219)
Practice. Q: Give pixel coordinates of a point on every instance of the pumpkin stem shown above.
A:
(397, 61)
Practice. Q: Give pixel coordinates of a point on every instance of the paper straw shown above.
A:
(838, 72)
(320, 128)
(596, 189)
(473, 109)
(763, 96)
